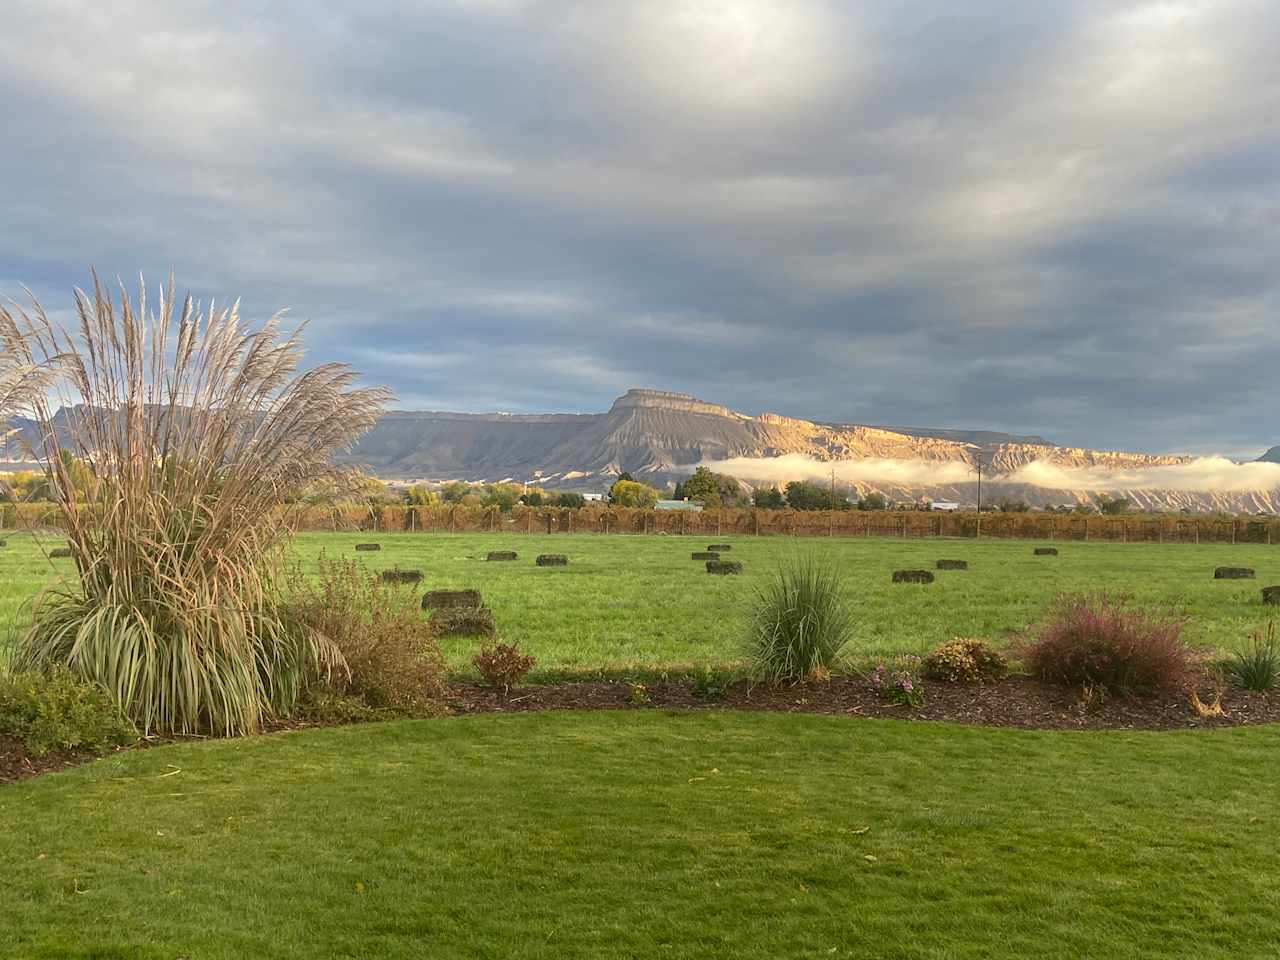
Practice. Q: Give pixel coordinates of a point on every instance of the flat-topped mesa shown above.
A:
(679, 402)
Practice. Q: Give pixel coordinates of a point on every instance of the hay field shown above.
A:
(636, 605)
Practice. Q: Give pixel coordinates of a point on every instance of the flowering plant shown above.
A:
(899, 684)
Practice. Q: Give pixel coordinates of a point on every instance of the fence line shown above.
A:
(452, 518)
(739, 522)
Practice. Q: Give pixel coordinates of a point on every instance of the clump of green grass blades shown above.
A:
(801, 621)
(170, 437)
(1257, 666)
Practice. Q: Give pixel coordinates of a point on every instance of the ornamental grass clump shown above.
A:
(801, 622)
(1257, 665)
(1101, 643)
(171, 434)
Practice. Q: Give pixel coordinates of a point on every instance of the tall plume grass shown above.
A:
(801, 621)
(180, 432)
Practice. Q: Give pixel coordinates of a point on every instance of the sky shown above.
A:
(1052, 218)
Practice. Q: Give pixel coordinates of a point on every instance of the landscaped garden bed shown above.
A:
(1017, 701)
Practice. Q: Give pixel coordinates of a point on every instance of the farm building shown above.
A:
(944, 505)
(691, 505)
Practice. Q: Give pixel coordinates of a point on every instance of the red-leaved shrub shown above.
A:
(1103, 643)
(503, 666)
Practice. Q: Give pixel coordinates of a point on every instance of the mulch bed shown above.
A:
(1017, 701)
(16, 764)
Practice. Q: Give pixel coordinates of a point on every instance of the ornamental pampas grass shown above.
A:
(180, 432)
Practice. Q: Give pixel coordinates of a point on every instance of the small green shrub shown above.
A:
(56, 712)
(392, 660)
(638, 695)
(801, 622)
(963, 660)
(710, 685)
(503, 666)
(1257, 666)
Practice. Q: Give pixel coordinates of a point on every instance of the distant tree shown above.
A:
(1014, 506)
(730, 490)
(768, 498)
(873, 501)
(454, 491)
(807, 495)
(420, 495)
(1112, 506)
(574, 501)
(629, 493)
(501, 495)
(1083, 508)
(532, 499)
(702, 486)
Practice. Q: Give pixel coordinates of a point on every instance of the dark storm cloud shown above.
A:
(1053, 218)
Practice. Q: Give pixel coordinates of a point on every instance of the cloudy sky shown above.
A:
(1061, 218)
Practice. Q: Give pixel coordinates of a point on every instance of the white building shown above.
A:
(947, 505)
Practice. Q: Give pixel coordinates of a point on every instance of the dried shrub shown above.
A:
(393, 662)
(704, 555)
(963, 660)
(501, 555)
(552, 560)
(953, 565)
(1101, 642)
(503, 666)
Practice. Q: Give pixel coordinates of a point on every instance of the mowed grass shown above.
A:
(651, 834)
(636, 605)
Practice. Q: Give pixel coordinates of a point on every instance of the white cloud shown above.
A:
(794, 466)
(1206, 474)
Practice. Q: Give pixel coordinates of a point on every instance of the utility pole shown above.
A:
(977, 533)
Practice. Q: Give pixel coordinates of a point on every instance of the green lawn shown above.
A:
(653, 834)
(632, 604)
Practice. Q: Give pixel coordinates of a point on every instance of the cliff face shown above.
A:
(661, 436)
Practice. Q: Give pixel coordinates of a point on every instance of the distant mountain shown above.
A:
(1271, 456)
(660, 437)
(977, 437)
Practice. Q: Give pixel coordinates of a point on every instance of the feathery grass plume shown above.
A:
(170, 438)
(801, 621)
